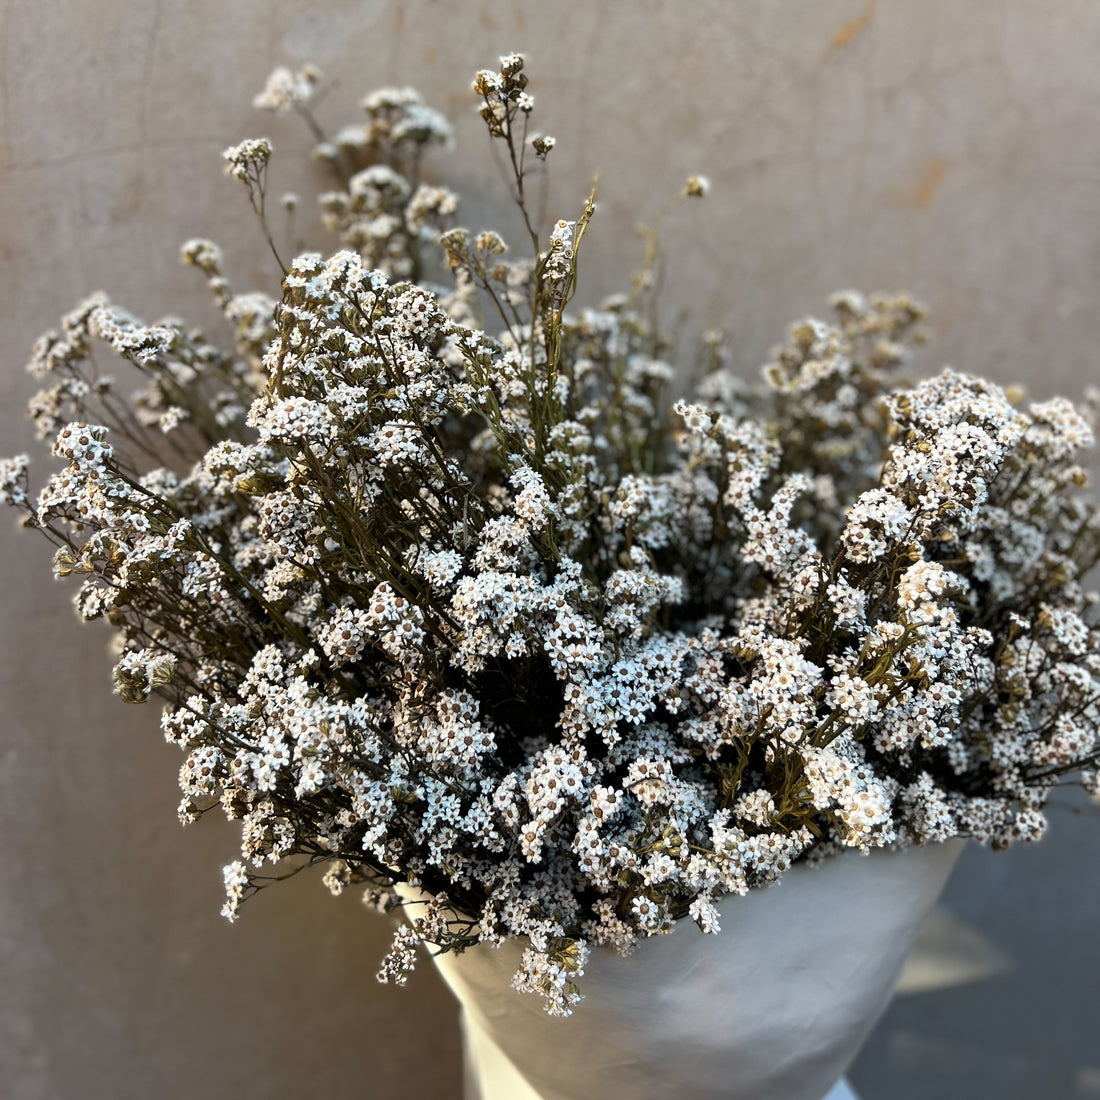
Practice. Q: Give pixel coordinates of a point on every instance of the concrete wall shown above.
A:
(941, 147)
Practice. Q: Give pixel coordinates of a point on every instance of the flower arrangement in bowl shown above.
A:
(441, 590)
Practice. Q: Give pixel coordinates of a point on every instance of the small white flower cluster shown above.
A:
(504, 94)
(13, 480)
(559, 258)
(383, 209)
(286, 90)
(248, 160)
(471, 611)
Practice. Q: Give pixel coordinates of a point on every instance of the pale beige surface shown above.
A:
(945, 147)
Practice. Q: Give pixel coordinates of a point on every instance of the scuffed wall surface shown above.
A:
(940, 147)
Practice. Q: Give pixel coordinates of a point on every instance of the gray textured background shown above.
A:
(947, 148)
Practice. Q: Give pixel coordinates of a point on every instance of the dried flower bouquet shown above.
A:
(473, 610)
